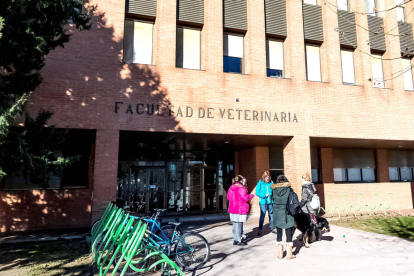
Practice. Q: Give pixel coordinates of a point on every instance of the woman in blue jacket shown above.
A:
(264, 192)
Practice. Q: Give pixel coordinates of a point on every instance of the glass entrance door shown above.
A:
(147, 189)
(201, 189)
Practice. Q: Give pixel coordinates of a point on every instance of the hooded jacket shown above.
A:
(263, 189)
(238, 199)
(280, 197)
(308, 190)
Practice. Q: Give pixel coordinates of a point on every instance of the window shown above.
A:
(342, 5)
(188, 48)
(313, 63)
(408, 74)
(377, 73)
(315, 178)
(371, 7)
(348, 71)
(233, 53)
(401, 173)
(354, 175)
(78, 142)
(275, 62)
(138, 42)
(312, 2)
(400, 4)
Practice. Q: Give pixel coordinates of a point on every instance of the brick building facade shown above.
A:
(87, 85)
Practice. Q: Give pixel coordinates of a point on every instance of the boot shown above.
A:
(280, 251)
(289, 254)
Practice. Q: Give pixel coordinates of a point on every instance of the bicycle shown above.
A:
(190, 250)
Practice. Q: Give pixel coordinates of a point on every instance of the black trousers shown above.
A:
(289, 234)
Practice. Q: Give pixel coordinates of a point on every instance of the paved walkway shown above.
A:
(341, 252)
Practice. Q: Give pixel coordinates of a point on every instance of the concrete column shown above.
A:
(381, 160)
(105, 171)
(330, 50)
(252, 163)
(362, 58)
(255, 38)
(165, 34)
(212, 36)
(297, 160)
(294, 43)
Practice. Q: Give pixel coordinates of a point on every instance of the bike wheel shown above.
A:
(138, 261)
(194, 249)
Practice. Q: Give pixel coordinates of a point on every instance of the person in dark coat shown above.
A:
(308, 191)
(282, 220)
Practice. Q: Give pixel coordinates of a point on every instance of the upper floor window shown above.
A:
(233, 53)
(312, 2)
(371, 7)
(313, 63)
(274, 58)
(138, 42)
(377, 71)
(188, 51)
(400, 4)
(348, 71)
(408, 74)
(343, 5)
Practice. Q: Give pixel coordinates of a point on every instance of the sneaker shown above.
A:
(235, 242)
(242, 243)
(259, 233)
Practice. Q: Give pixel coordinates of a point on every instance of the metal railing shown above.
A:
(361, 206)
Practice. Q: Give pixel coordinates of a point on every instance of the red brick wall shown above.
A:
(83, 81)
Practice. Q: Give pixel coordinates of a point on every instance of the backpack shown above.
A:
(315, 203)
(292, 205)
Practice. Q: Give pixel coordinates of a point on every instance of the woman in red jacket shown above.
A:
(238, 207)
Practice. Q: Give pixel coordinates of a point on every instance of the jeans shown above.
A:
(237, 231)
(263, 209)
(289, 235)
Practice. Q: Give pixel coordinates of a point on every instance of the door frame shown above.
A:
(201, 190)
(147, 190)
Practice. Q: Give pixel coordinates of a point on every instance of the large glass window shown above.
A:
(354, 165)
(348, 71)
(408, 74)
(371, 7)
(312, 2)
(400, 4)
(377, 71)
(342, 5)
(138, 42)
(313, 63)
(275, 62)
(188, 48)
(77, 143)
(233, 53)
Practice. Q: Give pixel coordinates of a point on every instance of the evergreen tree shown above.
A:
(29, 30)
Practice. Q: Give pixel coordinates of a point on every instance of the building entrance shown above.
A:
(202, 189)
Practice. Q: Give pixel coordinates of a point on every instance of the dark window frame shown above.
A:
(362, 179)
(399, 174)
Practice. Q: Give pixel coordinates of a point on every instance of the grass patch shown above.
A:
(402, 227)
(67, 257)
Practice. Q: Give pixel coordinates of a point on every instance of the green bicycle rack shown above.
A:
(121, 242)
(361, 206)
